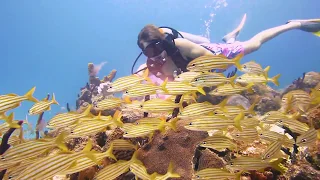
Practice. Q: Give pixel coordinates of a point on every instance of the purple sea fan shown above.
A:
(97, 68)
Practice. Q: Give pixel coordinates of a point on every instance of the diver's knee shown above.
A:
(251, 46)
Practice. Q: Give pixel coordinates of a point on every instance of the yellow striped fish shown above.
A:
(126, 82)
(114, 170)
(254, 78)
(42, 106)
(186, 76)
(208, 123)
(13, 172)
(140, 171)
(246, 135)
(227, 89)
(297, 100)
(251, 163)
(253, 67)
(271, 136)
(31, 149)
(218, 142)
(66, 119)
(308, 138)
(181, 88)
(159, 105)
(233, 111)
(85, 162)
(216, 174)
(189, 98)
(212, 79)
(250, 122)
(199, 109)
(139, 90)
(121, 144)
(51, 165)
(11, 101)
(108, 104)
(272, 149)
(294, 125)
(207, 63)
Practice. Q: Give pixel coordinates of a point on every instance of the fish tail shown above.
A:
(54, 101)
(223, 103)
(278, 166)
(266, 71)
(10, 122)
(163, 85)
(109, 152)
(249, 88)
(236, 61)
(88, 110)
(237, 120)
(127, 100)
(232, 79)
(170, 171)
(200, 90)
(3, 116)
(173, 124)
(275, 79)
(29, 95)
(60, 142)
(251, 108)
(117, 118)
(317, 33)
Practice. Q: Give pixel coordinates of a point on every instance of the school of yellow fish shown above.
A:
(46, 157)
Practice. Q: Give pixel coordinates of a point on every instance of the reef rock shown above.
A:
(267, 104)
(313, 116)
(311, 79)
(178, 147)
(209, 159)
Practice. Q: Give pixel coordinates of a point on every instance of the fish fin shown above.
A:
(12, 94)
(117, 118)
(251, 109)
(232, 79)
(173, 124)
(236, 61)
(238, 175)
(275, 79)
(237, 120)
(249, 87)
(170, 171)
(29, 95)
(73, 164)
(3, 116)
(88, 110)
(266, 71)
(109, 152)
(276, 165)
(317, 33)
(60, 142)
(223, 103)
(211, 113)
(127, 99)
(163, 86)
(48, 108)
(54, 101)
(200, 90)
(10, 122)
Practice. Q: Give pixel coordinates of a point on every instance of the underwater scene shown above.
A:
(156, 90)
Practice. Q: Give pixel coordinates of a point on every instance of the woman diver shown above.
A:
(168, 53)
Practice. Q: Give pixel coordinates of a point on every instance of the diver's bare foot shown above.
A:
(232, 36)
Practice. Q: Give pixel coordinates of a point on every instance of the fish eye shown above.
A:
(244, 66)
(190, 123)
(268, 156)
(264, 119)
(125, 132)
(72, 132)
(196, 79)
(126, 92)
(280, 121)
(137, 123)
(303, 140)
(197, 176)
(193, 64)
(2, 158)
(239, 77)
(141, 106)
(237, 135)
(268, 114)
(231, 163)
(10, 177)
(204, 142)
(216, 90)
(215, 113)
(110, 87)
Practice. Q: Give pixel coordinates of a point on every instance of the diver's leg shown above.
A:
(255, 42)
(232, 36)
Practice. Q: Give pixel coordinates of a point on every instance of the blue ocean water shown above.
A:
(48, 44)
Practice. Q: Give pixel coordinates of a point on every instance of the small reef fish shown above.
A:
(11, 101)
(212, 79)
(198, 109)
(159, 105)
(250, 122)
(216, 174)
(246, 135)
(207, 63)
(272, 149)
(253, 67)
(181, 88)
(254, 78)
(123, 83)
(67, 119)
(218, 142)
(297, 100)
(139, 90)
(121, 144)
(186, 76)
(308, 138)
(108, 104)
(208, 123)
(271, 136)
(42, 106)
(251, 163)
(228, 89)
(294, 125)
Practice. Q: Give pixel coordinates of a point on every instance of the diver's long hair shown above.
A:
(148, 34)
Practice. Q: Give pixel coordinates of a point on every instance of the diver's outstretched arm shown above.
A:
(191, 37)
(232, 36)
(255, 42)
